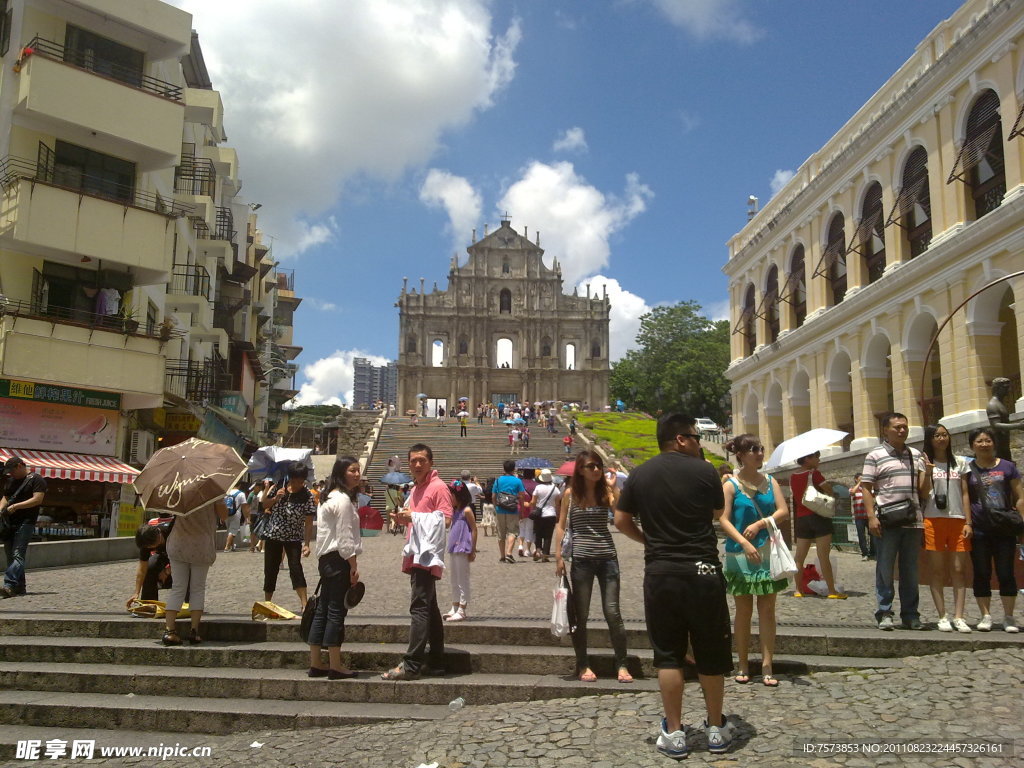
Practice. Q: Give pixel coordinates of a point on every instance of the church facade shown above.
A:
(503, 331)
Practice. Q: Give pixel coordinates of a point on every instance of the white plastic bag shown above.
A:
(819, 586)
(781, 562)
(560, 610)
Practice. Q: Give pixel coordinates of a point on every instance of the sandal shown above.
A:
(624, 676)
(769, 681)
(588, 677)
(399, 673)
(194, 638)
(742, 678)
(171, 638)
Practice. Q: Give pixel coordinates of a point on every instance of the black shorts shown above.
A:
(813, 526)
(682, 608)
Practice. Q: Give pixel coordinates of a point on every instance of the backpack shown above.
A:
(231, 500)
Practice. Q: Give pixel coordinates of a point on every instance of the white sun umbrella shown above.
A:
(273, 461)
(803, 445)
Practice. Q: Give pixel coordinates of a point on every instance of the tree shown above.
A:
(679, 364)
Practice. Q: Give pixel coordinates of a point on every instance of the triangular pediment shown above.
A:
(505, 238)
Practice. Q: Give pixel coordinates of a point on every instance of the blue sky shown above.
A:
(629, 132)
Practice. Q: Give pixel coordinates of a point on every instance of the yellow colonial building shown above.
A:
(839, 284)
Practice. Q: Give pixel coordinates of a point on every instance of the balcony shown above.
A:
(77, 349)
(63, 214)
(196, 177)
(158, 28)
(131, 114)
(198, 382)
(189, 292)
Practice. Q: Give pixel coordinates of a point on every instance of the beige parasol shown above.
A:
(188, 476)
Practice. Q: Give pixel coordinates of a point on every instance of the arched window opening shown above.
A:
(463, 346)
(410, 344)
(570, 357)
(506, 269)
(771, 304)
(980, 164)
(437, 354)
(505, 301)
(545, 347)
(914, 205)
(503, 353)
(870, 237)
(745, 325)
(796, 286)
(835, 259)
(595, 349)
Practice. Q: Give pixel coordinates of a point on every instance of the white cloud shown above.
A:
(575, 220)
(329, 379)
(573, 140)
(716, 310)
(780, 179)
(336, 89)
(710, 19)
(627, 308)
(457, 196)
(321, 305)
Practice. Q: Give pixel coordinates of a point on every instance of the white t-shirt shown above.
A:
(548, 495)
(946, 480)
(474, 491)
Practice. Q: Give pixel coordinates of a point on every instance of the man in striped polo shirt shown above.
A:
(894, 472)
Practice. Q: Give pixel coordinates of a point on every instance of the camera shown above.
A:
(941, 501)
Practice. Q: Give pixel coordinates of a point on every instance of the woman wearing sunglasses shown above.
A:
(750, 499)
(584, 512)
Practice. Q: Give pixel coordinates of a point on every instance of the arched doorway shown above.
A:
(840, 396)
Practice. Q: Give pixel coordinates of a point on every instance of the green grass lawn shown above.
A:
(631, 435)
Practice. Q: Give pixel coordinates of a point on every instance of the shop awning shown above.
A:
(74, 466)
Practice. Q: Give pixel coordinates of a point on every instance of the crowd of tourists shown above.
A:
(958, 510)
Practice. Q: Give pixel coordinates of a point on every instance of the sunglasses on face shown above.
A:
(687, 434)
(756, 449)
(592, 465)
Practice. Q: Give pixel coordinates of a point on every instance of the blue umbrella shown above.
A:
(509, 421)
(533, 463)
(396, 478)
(421, 396)
(518, 421)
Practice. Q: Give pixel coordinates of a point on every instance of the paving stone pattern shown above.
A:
(952, 696)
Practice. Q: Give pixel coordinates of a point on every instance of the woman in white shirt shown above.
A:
(545, 499)
(337, 544)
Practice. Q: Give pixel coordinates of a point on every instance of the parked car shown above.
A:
(707, 426)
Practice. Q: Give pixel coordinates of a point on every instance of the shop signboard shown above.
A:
(129, 518)
(182, 422)
(49, 418)
(216, 431)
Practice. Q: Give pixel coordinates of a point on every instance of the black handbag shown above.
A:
(1003, 522)
(308, 613)
(899, 514)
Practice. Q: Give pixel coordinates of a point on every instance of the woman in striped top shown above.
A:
(584, 512)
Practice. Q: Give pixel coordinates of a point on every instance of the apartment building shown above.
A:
(372, 383)
(840, 283)
(131, 306)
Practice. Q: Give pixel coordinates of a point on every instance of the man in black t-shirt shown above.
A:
(152, 572)
(678, 496)
(23, 492)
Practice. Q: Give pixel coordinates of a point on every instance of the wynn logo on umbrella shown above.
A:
(188, 476)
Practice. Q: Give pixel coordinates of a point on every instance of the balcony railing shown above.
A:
(225, 226)
(196, 176)
(119, 323)
(88, 61)
(197, 381)
(12, 169)
(191, 281)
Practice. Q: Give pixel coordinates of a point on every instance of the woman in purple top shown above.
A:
(998, 481)
(461, 549)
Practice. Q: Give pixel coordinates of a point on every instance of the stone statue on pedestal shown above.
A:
(999, 417)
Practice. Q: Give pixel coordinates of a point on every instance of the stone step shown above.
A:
(56, 709)
(516, 634)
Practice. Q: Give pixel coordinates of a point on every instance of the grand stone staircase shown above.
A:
(482, 451)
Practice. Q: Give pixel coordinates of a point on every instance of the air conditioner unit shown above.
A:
(141, 446)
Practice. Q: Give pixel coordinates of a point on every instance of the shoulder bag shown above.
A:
(899, 514)
(1004, 522)
(538, 508)
(781, 564)
(308, 613)
(816, 501)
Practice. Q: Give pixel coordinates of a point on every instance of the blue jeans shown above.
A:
(903, 544)
(865, 539)
(582, 575)
(328, 627)
(16, 550)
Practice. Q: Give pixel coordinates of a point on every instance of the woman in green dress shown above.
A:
(750, 498)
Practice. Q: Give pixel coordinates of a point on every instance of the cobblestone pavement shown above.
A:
(520, 591)
(932, 702)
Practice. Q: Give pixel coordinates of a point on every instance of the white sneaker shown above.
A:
(719, 738)
(985, 625)
(944, 625)
(673, 744)
(448, 616)
(1010, 624)
(459, 615)
(961, 626)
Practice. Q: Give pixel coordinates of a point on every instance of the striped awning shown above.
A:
(73, 466)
